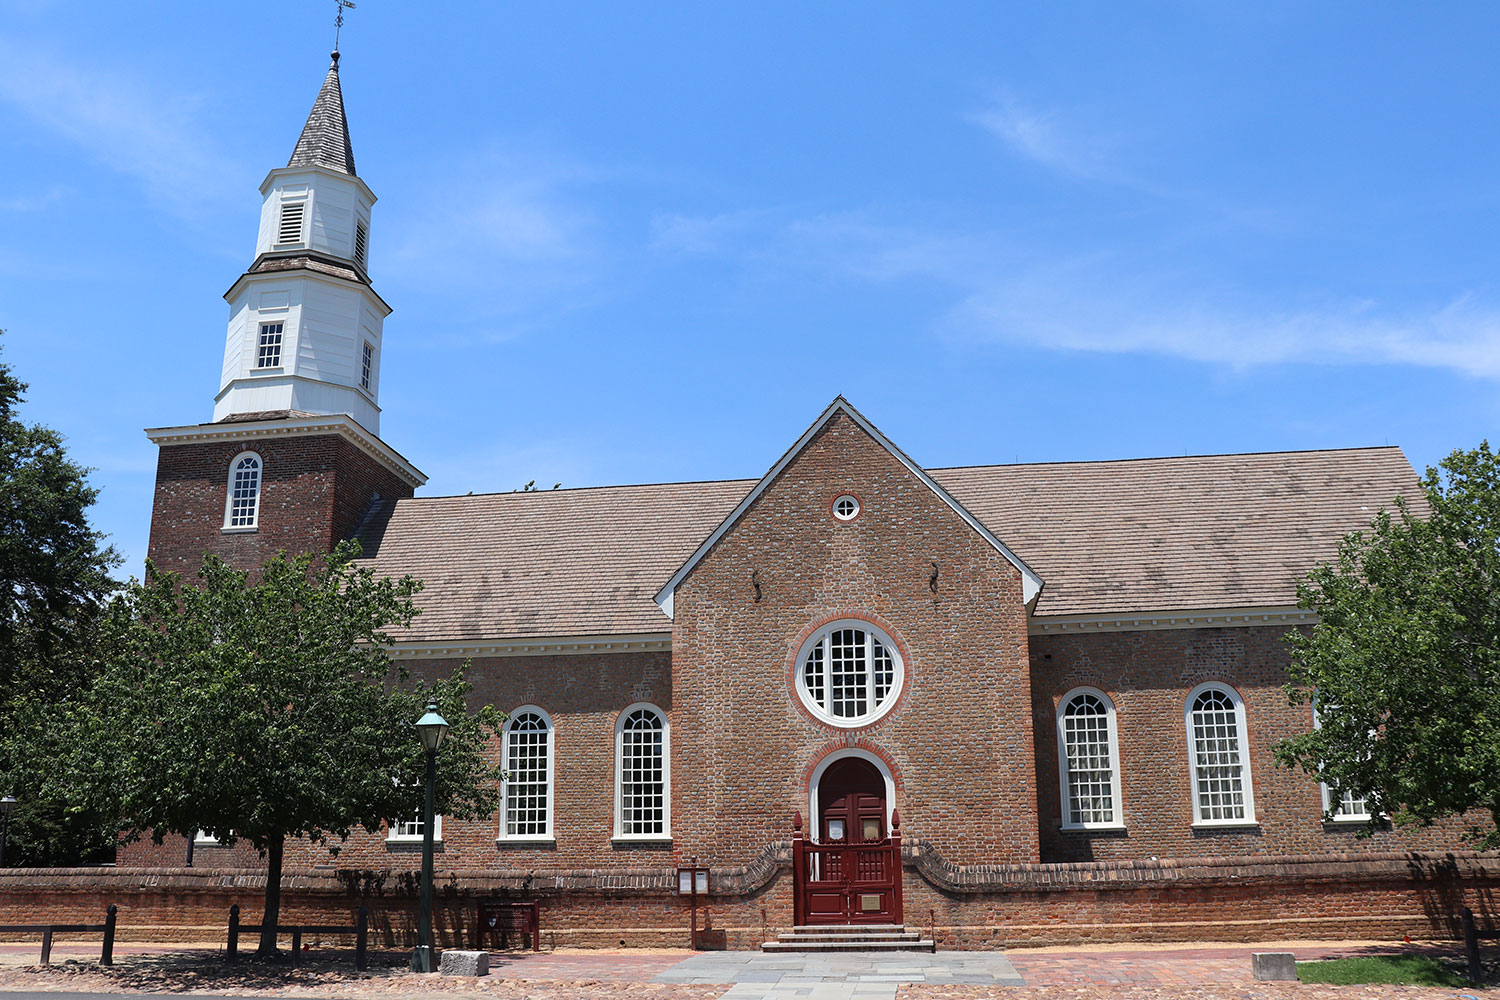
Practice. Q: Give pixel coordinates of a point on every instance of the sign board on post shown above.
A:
(693, 882)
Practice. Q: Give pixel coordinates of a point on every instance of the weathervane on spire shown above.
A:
(338, 22)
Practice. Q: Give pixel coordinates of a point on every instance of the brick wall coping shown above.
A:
(1384, 865)
(769, 861)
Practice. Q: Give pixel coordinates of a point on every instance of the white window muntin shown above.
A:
(849, 680)
(1349, 808)
(243, 492)
(269, 344)
(366, 365)
(526, 755)
(643, 789)
(1088, 761)
(1218, 757)
(410, 831)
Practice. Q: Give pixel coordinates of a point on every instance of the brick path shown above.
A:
(1122, 973)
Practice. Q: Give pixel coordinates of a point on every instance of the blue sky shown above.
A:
(636, 243)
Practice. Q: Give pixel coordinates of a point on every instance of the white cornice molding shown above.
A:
(340, 424)
(1155, 621)
(641, 642)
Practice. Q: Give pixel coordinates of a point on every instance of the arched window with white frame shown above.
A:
(526, 757)
(1088, 755)
(1218, 757)
(642, 793)
(242, 499)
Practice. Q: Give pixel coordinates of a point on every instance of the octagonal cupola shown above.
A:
(304, 322)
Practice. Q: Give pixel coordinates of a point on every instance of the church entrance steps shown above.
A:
(858, 937)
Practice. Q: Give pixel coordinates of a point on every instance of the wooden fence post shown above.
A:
(47, 946)
(296, 946)
(231, 954)
(107, 956)
(361, 937)
(1471, 945)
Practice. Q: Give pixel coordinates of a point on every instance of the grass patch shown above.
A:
(1398, 970)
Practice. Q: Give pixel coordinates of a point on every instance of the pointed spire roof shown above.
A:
(325, 138)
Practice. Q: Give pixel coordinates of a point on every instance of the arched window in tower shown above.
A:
(526, 810)
(1088, 756)
(642, 803)
(1217, 757)
(242, 505)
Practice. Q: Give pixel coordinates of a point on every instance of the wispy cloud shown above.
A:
(35, 202)
(1001, 289)
(499, 213)
(128, 123)
(1043, 138)
(701, 235)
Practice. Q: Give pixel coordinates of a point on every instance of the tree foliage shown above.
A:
(266, 709)
(1404, 662)
(55, 576)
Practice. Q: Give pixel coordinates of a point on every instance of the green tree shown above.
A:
(1404, 662)
(55, 577)
(266, 709)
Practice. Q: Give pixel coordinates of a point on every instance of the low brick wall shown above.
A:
(1380, 896)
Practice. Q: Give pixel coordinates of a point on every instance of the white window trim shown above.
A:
(799, 677)
(665, 836)
(260, 492)
(1244, 737)
(520, 838)
(1112, 734)
(1357, 819)
(392, 837)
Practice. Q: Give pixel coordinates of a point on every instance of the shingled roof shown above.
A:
(1217, 531)
(325, 138)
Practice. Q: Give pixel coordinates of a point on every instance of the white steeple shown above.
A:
(304, 323)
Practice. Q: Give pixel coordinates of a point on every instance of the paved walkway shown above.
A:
(849, 975)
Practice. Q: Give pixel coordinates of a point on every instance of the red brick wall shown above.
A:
(314, 489)
(958, 741)
(584, 694)
(1148, 676)
(1226, 899)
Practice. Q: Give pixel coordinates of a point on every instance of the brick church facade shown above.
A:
(1053, 688)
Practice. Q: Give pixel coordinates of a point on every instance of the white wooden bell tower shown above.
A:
(304, 323)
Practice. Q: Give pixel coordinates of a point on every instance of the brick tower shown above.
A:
(293, 457)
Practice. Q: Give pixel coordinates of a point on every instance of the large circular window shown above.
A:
(849, 673)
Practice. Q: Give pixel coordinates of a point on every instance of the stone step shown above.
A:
(848, 944)
(876, 936)
(847, 928)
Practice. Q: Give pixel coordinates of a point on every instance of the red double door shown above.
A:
(851, 872)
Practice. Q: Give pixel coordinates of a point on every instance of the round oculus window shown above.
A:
(849, 673)
(846, 506)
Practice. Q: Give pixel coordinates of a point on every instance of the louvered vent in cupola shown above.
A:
(361, 245)
(291, 222)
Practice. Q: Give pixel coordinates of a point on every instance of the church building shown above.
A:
(976, 705)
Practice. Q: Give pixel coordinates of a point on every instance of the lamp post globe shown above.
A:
(431, 728)
(6, 805)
